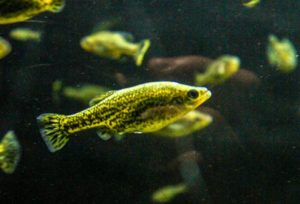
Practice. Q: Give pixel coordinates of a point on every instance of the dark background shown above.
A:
(253, 159)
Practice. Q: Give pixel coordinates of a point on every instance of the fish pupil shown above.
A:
(193, 94)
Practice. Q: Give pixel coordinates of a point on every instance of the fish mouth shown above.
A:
(84, 43)
(204, 95)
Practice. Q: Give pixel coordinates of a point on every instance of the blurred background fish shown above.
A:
(191, 122)
(168, 193)
(10, 152)
(218, 71)
(25, 34)
(5, 48)
(250, 3)
(83, 93)
(115, 45)
(282, 54)
(13, 11)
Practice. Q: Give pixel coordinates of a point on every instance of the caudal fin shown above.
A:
(11, 152)
(57, 6)
(143, 47)
(52, 131)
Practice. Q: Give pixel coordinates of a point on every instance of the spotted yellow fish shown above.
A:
(115, 45)
(10, 152)
(168, 193)
(5, 48)
(251, 3)
(25, 34)
(218, 71)
(282, 54)
(140, 109)
(191, 122)
(13, 11)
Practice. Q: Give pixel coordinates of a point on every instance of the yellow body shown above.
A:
(168, 193)
(251, 3)
(25, 34)
(13, 11)
(10, 152)
(282, 54)
(5, 48)
(115, 45)
(139, 109)
(191, 122)
(218, 71)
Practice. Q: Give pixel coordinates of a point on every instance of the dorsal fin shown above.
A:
(101, 97)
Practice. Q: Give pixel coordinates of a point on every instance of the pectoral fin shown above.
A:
(104, 135)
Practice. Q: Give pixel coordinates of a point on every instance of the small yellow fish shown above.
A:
(5, 48)
(168, 193)
(251, 3)
(218, 71)
(25, 34)
(140, 109)
(115, 45)
(282, 54)
(13, 11)
(191, 122)
(84, 93)
(10, 152)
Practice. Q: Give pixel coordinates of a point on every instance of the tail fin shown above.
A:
(143, 47)
(11, 152)
(52, 131)
(57, 6)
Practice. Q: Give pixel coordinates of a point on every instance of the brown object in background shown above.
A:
(121, 79)
(245, 79)
(178, 68)
(184, 69)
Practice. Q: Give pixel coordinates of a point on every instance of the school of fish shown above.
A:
(160, 108)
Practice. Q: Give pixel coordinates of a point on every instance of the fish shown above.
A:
(168, 193)
(115, 45)
(188, 124)
(5, 48)
(10, 152)
(14, 11)
(83, 93)
(282, 54)
(250, 3)
(219, 71)
(143, 108)
(25, 34)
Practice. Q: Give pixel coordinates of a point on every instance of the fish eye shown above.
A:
(193, 94)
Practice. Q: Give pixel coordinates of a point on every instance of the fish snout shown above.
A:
(204, 92)
(85, 44)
